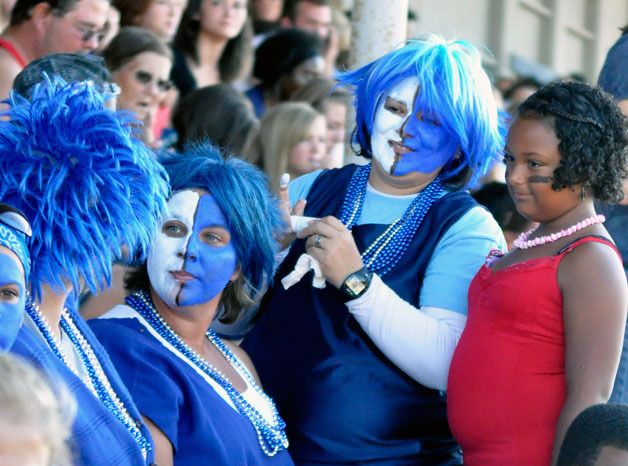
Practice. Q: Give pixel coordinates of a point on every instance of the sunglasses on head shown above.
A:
(144, 77)
(15, 219)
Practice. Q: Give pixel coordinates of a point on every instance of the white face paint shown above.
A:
(167, 253)
(389, 119)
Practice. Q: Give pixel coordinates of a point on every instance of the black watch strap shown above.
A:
(356, 284)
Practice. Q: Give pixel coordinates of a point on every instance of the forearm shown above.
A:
(420, 342)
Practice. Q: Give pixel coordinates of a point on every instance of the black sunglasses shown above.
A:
(15, 219)
(145, 77)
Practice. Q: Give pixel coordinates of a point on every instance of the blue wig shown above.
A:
(241, 191)
(85, 184)
(454, 89)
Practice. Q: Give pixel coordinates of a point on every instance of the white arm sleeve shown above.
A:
(420, 342)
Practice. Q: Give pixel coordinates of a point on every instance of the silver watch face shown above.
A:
(355, 284)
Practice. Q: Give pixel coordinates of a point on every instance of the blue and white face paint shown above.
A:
(12, 297)
(192, 257)
(404, 140)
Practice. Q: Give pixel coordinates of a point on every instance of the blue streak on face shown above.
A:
(11, 307)
(431, 146)
(210, 256)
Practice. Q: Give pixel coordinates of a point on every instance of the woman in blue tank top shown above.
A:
(211, 257)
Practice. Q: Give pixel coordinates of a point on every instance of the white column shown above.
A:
(378, 26)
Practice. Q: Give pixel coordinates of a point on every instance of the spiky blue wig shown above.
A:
(87, 187)
(241, 191)
(453, 88)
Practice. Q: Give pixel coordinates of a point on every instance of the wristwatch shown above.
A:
(356, 284)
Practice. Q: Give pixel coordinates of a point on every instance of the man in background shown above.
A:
(38, 28)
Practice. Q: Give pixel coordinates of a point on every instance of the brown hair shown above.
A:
(130, 42)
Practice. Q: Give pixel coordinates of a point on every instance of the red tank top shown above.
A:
(506, 383)
(10, 48)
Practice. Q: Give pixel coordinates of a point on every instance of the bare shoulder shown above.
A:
(244, 358)
(593, 257)
(594, 268)
(9, 69)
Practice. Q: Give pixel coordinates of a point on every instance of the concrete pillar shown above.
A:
(378, 26)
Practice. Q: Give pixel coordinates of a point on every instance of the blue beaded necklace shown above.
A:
(270, 435)
(388, 248)
(97, 381)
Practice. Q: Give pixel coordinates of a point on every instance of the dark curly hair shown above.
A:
(599, 426)
(593, 136)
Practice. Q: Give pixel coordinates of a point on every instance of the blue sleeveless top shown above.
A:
(200, 425)
(98, 437)
(343, 401)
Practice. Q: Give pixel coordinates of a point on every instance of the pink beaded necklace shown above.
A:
(522, 242)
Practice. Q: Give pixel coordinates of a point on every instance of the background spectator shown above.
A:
(519, 91)
(266, 15)
(496, 198)
(334, 103)
(219, 113)
(139, 63)
(161, 17)
(291, 140)
(614, 80)
(41, 27)
(213, 44)
(598, 436)
(34, 420)
(284, 63)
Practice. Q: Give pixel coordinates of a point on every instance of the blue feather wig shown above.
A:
(86, 185)
(241, 191)
(453, 88)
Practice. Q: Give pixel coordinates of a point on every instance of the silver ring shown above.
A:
(317, 241)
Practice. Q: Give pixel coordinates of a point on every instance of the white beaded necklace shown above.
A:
(96, 381)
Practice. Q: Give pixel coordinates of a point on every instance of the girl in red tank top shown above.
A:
(546, 321)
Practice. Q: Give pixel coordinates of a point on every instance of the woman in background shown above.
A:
(334, 102)
(219, 113)
(291, 140)
(161, 17)
(212, 45)
(139, 63)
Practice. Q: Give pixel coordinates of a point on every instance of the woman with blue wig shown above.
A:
(357, 356)
(212, 256)
(15, 266)
(89, 189)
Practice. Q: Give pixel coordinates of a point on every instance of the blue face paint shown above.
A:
(210, 257)
(430, 144)
(193, 257)
(11, 306)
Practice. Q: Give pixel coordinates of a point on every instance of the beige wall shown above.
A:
(562, 35)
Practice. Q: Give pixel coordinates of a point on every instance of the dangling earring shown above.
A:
(582, 193)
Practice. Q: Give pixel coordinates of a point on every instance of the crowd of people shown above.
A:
(194, 268)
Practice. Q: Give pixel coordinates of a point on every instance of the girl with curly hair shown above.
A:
(546, 321)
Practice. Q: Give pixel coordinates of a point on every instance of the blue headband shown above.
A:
(16, 242)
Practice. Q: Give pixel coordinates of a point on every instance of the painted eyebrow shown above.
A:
(396, 101)
(11, 282)
(216, 225)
